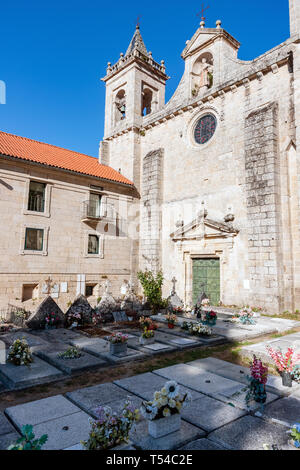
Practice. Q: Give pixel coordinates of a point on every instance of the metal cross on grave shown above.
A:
(174, 281)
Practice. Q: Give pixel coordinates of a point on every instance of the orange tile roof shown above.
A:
(34, 151)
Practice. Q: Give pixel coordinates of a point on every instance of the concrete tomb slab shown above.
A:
(70, 366)
(250, 433)
(286, 410)
(142, 440)
(146, 384)
(202, 444)
(89, 398)
(210, 414)
(40, 411)
(7, 439)
(21, 376)
(199, 380)
(5, 426)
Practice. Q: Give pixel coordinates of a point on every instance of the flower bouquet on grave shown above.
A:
(171, 320)
(205, 303)
(71, 353)
(111, 429)
(210, 318)
(178, 310)
(147, 337)
(74, 319)
(295, 436)
(285, 363)
(19, 353)
(118, 343)
(51, 321)
(296, 373)
(163, 413)
(148, 323)
(198, 329)
(257, 382)
(246, 316)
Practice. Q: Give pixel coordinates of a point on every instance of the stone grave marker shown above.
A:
(81, 305)
(37, 320)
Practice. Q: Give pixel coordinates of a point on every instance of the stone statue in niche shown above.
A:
(206, 74)
(202, 76)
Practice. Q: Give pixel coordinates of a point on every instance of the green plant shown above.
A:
(111, 429)
(295, 435)
(99, 300)
(71, 353)
(152, 286)
(19, 353)
(27, 441)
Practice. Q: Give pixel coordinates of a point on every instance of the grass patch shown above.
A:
(285, 316)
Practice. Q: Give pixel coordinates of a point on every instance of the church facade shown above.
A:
(217, 168)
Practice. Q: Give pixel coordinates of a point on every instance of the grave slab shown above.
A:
(64, 432)
(21, 376)
(199, 380)
(210, 414)
(72, 366)
(131, 354)
(238, 373)
(31, 339)
(141, 439)
(202, 444)
(144, 385)
(7, 439)
(250, 433)
(61, 334)
(158, 347)
(5, 426)
(286, 410)
(96, 346)
(40, 411)
(88, 399)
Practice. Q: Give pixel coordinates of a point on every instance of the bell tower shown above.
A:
(294, 17)
(135, 87)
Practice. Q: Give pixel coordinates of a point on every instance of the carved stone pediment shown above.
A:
(203, 227)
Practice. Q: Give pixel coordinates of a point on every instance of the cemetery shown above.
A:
(204, 404)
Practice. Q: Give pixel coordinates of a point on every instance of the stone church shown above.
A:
(216, 167)
(205, 187)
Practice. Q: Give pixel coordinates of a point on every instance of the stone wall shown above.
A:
(263, 205)
(152, 194)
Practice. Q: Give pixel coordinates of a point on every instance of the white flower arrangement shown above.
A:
(200, 329)
(166, 402)
(205, 303)
(19, 353)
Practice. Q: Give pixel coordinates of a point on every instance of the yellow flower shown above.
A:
(164, 401)
(178, 405)
(172, 403)
(157, 395)
(166, 412)
(164, 391)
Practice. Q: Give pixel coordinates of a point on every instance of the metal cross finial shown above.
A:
(138, 21)
(201, 13)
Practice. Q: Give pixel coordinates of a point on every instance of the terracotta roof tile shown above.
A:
(34, 151)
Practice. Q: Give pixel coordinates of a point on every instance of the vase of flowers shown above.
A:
(51, 321)
(257, 382)
(147, 337)
(285, 363)
(163, 413)
(111, 429)
(295, 436)
(148, 323)
(171, 320)
(118, 343)
(210, 318)
(19, 353)
(246, 316)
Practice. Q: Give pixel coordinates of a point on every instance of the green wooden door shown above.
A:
(206, 278)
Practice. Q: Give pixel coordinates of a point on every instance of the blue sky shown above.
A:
(53, 55)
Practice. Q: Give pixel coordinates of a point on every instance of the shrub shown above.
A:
(28, 441)
(152, 286)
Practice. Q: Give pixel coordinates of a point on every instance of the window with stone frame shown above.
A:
(93, 245)
(34, 239)
(36, 196)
